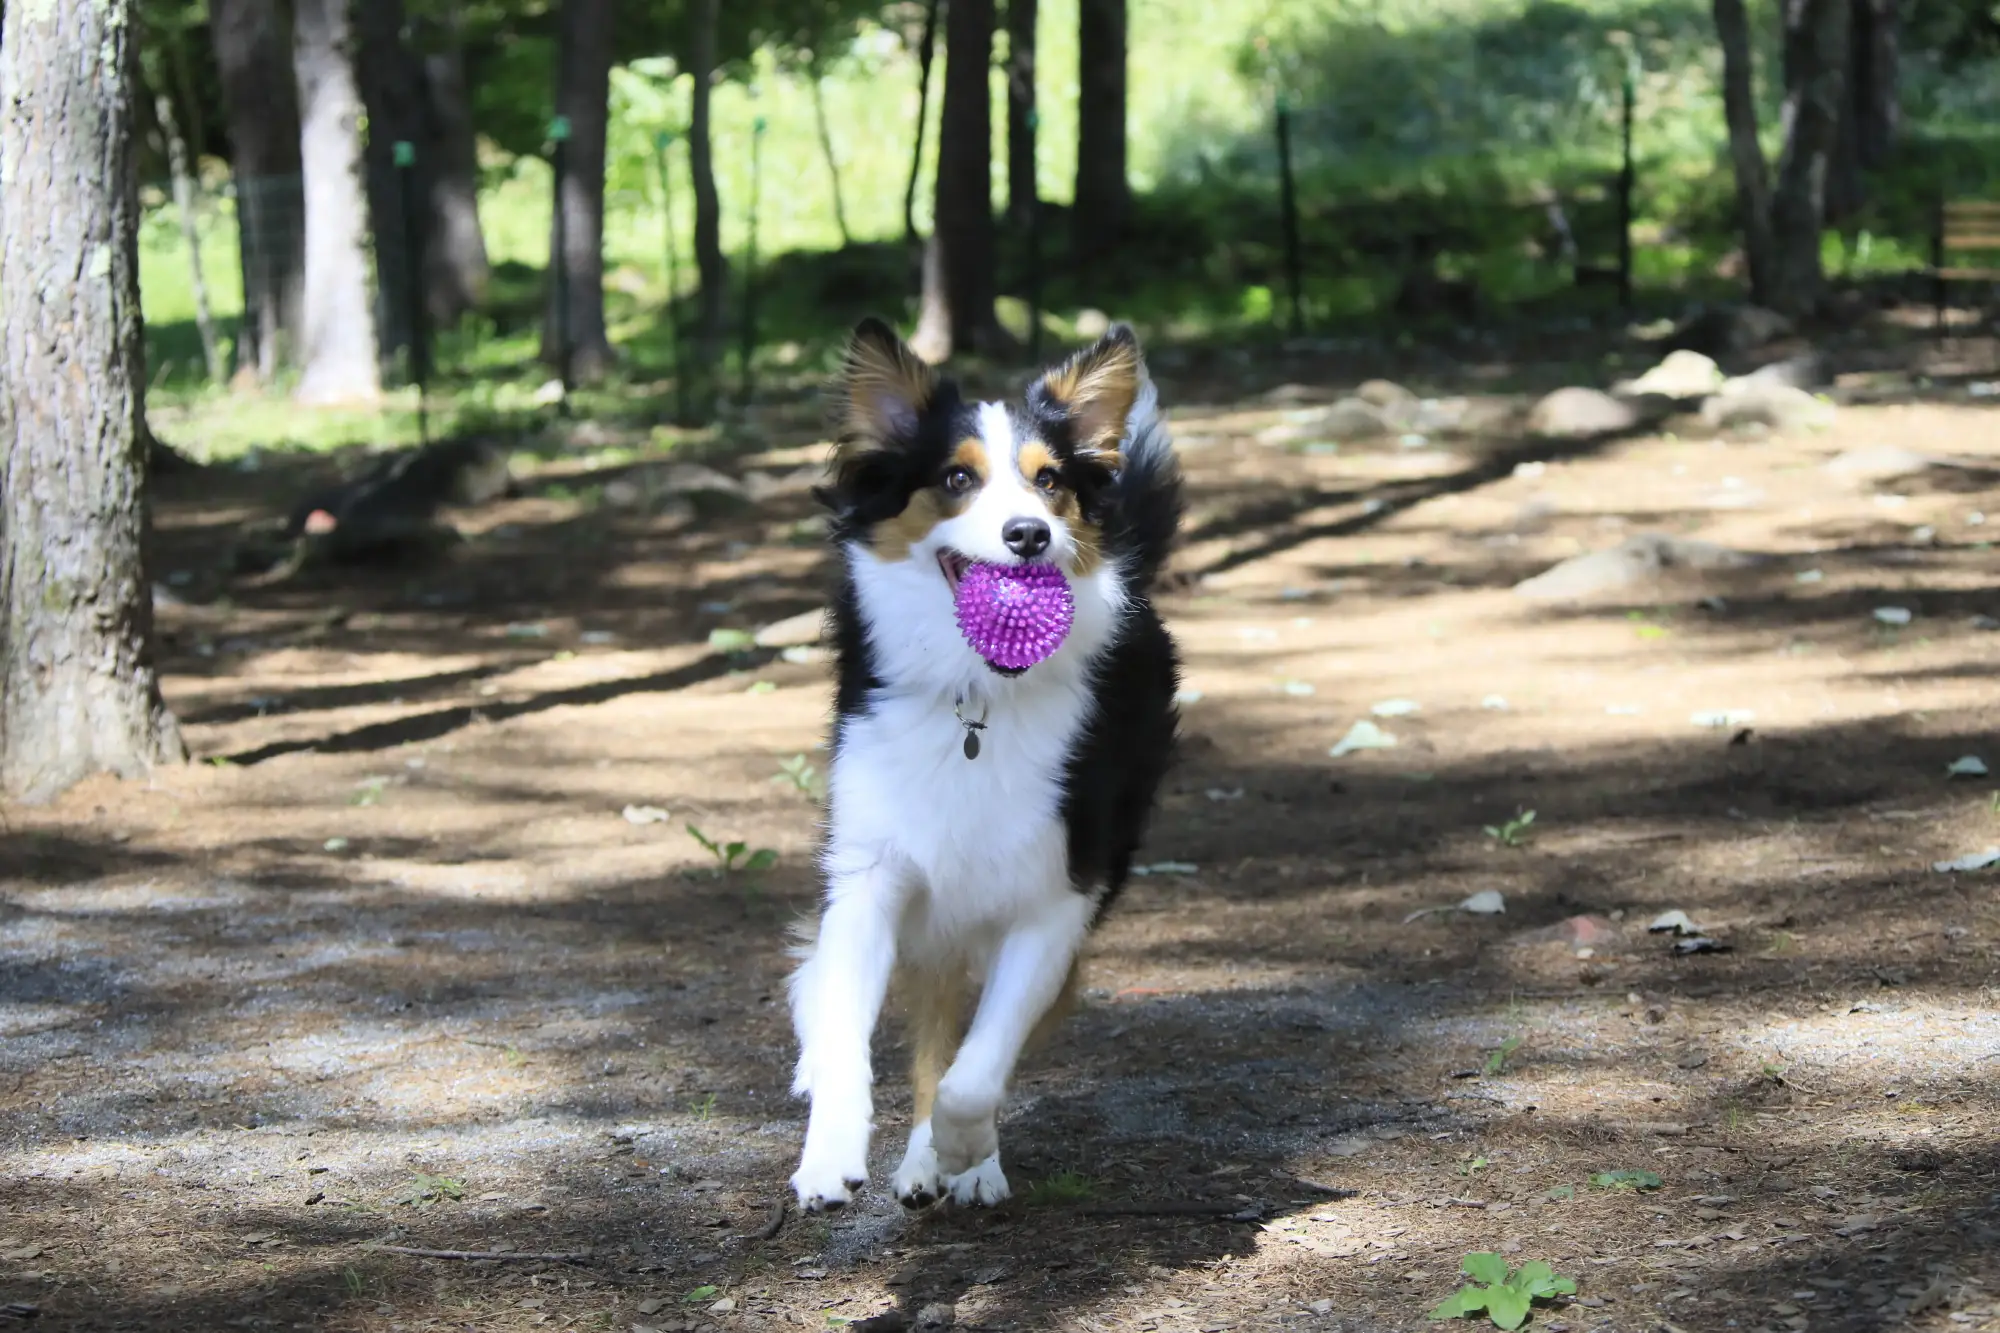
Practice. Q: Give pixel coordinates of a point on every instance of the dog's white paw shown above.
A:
(917, 1183)
(963, 1131)
(982, 1187)
(821, 1191)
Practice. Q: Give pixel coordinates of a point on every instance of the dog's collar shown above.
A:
(972, 729)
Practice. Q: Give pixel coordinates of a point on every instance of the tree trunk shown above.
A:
(832, 159)
(1103, 197)
(1753, 181)
(338, 360)
(184, 205)
(709, 263)
(926, 53)
(1022, 193)
(964, 230)
(1816, 33)
(455, 248)
(392, 91)
(1871, 109)
(583, 94)
(260, 98)
(78, 690)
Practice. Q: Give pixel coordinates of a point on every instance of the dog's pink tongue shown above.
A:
(1015, 616)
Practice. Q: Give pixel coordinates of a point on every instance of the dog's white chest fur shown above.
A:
(979, 838)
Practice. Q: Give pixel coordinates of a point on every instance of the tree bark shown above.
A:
(926, 54)
(184, 207)
(964, 232)
(1103, 197)
(1753, 180)
(583, 94)
(392, 92)
(832, 159)
(1816, 46)
(338, 360)
(713, 270)
(253, 54)
(78, 690)
(458, 267)
(1022, 192)
(1871, 109)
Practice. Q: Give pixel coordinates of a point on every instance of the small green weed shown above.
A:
(1472, 1166)
(368, 791)
(352, 1279)
(427, 1189)
(1496, 1060)
(1503, 1297)
(1513, 833)
(1062, 1187)
(703, 1109)
(727, 855)
(799, 773)
(700, 1294)
(1626, 1180)
(1560, 1193)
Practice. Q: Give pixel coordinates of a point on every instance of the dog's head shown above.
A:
(921, 475)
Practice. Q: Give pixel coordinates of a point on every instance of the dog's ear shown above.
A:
(1095, 390)
(882, 388)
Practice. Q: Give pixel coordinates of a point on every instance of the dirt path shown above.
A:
(404, 973)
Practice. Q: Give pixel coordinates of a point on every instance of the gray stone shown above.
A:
(699, 479)
(1681, 375)
(1779, 407)
(1575, 413)
(1384, 393)
(1808, 370)
(1880, 462)
(799, 631)
(1636, 560)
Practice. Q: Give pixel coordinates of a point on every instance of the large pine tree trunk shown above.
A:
(583, 94)
(926, 54)
(338, 360)
(1753, 180)
(1103, 197)
(78, 689)
(1021, 185)
(713, 269)
(1871, 108)
(253, 55)
(455, 247)
(1816, 50)
(964, 231)
(392, 91)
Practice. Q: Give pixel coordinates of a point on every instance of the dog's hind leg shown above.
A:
(837, 996)
(1029, 973)
(937, 1025)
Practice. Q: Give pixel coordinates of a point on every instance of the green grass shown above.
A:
(1063, 1187)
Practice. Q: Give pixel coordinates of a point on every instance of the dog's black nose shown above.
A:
(1026, 537)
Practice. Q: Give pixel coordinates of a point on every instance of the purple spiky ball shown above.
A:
(1014, 616)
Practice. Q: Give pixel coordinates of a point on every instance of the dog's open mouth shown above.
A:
(954, 566)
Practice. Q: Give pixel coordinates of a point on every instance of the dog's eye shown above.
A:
(1047, 480)
(958, 481)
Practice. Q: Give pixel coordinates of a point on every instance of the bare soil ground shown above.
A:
(392, 968)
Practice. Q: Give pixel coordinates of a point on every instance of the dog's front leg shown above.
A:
(837, 996)
(1027, 975)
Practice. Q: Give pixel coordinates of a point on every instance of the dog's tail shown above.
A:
(1147, 514)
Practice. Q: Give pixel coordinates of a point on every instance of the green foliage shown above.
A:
(425, 1189)
(1060, 1188)
(1504, 1298)
(727, 855)
(799, 773)
(1626, 1180)
(1496, 1060)
(1513, 833)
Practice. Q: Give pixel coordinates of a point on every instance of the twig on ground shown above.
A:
(772, 1224)
(1336, 1191)
(505, 1256)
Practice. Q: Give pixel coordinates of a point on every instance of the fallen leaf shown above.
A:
(1363, 735)
(1486, 902)
(1971, 861)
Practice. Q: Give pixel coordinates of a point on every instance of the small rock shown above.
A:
(1363, 735)
(799, 631)
(1893, 615)
(1486, 902)
(937, 1315)
(1966, 766)
(1635, 560)
(1676, 921)
(727, 1305)
(1321, 1307)
(1778, 407)
(1881, 462)
(1576, 413)
(1385, 394)
(641, 815)
(699, 479)
(1808, 371)
(1681, 375)
(651, 1305)
(1352, 419)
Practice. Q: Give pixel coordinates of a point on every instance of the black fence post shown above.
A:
(1628, 175)
(559, 160)
(1288, 206)
(1035, 256)
(663, 141)
(749, 343)
(413, 268)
